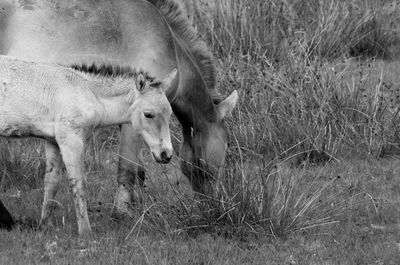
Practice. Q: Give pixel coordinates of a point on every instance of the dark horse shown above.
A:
(153, 35)
(6, 220)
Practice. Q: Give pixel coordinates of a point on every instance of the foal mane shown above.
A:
(182, 28)
(110, 71)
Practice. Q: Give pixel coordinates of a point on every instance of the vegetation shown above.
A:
(311, 177)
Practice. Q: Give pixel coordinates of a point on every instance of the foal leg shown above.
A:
(51, 179)
(71, 146)
(130, 169)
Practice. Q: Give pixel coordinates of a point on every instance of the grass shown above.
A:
(311, 175)
(365, 231)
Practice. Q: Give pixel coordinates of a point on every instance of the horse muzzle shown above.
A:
(164, 157)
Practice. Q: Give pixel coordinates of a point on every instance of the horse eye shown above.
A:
(149, 115)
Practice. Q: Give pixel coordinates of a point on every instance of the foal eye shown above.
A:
(149, 115)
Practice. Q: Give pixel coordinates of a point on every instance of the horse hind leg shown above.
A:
(130, 170)
(51, 179)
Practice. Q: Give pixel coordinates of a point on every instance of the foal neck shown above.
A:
(115, 96)
(110, 88)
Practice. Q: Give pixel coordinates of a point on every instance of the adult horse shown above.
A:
(152, 35)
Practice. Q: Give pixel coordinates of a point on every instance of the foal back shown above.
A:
(33, 96)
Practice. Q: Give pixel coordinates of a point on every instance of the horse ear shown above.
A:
(167, 80)
(226, 106)
(140, 82)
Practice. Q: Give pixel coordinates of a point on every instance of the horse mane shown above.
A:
(181, 27)
(110, 71)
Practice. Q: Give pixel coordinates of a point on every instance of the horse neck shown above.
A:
(115, 98)
(193, 104)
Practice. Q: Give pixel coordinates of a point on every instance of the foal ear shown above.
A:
(226, 106)
(166, 81)
(140, 82)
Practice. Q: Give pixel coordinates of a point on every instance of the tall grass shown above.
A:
(309, 79)
(291, 61)
(327, 29)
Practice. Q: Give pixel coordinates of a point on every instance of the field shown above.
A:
(312, 175)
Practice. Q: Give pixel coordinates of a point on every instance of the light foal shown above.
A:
(61, 105)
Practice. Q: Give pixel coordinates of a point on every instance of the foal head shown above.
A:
(151, 113)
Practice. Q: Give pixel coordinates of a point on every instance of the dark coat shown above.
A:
(6, 220)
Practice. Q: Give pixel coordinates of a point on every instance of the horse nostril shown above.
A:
(165, 157)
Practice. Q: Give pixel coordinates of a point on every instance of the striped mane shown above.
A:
(181, 27)
(111, 71)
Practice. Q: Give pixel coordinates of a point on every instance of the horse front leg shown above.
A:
(130, 169)
(71, 143)
(51, 179)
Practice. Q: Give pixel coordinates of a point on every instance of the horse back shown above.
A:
(126, 32)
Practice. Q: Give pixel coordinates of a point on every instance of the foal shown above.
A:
(61, 105)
